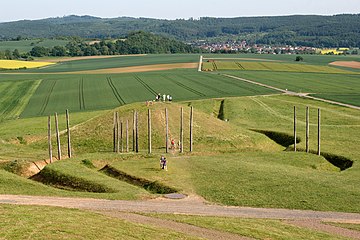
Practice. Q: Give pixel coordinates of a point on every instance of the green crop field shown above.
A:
(271, 66)
(96, 92)
(342, 88)
(27, 45)
(117, 62)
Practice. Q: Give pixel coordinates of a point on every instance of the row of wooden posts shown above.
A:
(118, 132)
(58, 136)
(307, 136)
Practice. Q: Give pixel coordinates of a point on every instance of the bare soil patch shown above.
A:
(146, 68)
(349, 64)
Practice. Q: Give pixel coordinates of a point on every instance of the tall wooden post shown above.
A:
(68, 132)
(181, 130)
(114, 133)
(49, 139)
(127, 135)
(58, 136)
(307, 129)
(191, 128)
(134, 126)
(294, 128)
(121, 137)
(117, 133)
(166, 130)
(149, 130)
(137, 132)
(319, 133)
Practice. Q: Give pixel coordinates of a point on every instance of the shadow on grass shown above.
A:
(153, 187)
(287, 141)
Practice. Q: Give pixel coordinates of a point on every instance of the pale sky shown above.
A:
(166, 9)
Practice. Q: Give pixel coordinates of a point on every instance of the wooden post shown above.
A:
(307, 129)
(57, 136)
(191, 128)
(137, 132)
(181, 130)
(127, 135)
(294, 128)
(319, 133)
(166, 130)
(68, 132)
(114, 133)
(117, 133)
(134, 125)
(121, 137)
(149, 130)
(49, 139)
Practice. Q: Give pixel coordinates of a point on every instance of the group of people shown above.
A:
(163, 97)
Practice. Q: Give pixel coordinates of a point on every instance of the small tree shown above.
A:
(299, 59)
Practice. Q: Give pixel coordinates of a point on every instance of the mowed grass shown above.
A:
(253, 228)
(96, 92)
(36, 222)
(342, 88)
(271, 66)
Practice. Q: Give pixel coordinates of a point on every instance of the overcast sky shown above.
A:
(12, 10)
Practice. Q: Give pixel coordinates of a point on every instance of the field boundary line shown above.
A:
(81, 94)
(304, 95)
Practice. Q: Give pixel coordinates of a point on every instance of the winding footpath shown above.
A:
(192, 206)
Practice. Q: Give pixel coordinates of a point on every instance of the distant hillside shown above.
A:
(318, 31)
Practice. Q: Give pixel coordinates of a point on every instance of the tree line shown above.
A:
(305, 30)
(135, 43)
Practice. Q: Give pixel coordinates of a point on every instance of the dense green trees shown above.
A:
(134, 43)
(314, 31)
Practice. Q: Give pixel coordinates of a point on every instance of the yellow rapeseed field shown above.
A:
(15, 64)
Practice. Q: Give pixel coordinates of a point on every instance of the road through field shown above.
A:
(191, 206)
(285, 91)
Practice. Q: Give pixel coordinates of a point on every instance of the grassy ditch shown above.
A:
(283, 139)
(151, 186)
(69, 182)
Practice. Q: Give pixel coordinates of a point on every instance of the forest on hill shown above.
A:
(297, 30)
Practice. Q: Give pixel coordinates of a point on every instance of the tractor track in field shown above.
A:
(193, 205)
(150, 89)
(81, 94)
(47, 98)
(115, 91)
(185, 86)
(206, 86)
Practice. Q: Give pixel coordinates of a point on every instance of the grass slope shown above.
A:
(20, 222)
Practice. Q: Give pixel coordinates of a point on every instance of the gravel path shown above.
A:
(192, 206)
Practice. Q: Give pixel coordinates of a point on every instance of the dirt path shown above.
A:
(318, 226)
(305, 95)
(191, 206)
(175, 226)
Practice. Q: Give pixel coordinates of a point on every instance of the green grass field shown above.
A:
(232, 164)
(26, 45)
